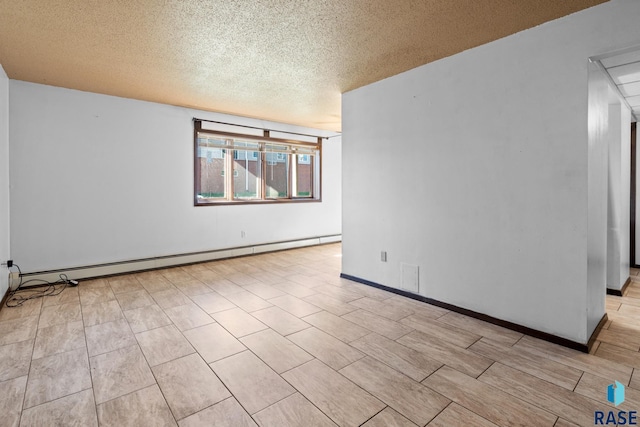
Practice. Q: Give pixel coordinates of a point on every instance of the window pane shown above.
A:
(246, 171)
(304, 175)
(277, 175)
(212, 172)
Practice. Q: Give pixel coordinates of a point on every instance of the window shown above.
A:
(238, 168)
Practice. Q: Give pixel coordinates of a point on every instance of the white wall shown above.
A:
(597, 195)
(98, 179)
(4, 180)
(475, 168)
(618, 234)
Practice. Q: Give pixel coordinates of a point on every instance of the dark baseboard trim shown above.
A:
(489, 319)
(596, 331)
(620, 292)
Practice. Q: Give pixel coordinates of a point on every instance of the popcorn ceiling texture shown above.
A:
(279, 60)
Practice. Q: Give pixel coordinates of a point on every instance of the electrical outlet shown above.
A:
(9, 263)
(383, 256)
(242, 234)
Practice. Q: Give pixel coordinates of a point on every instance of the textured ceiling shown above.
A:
(287, 61)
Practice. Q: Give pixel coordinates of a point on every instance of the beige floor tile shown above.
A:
(11, 397)
(328, 349)
(264, 291)
(224, 287)
(410, 398)
(109, 336)
(213, 302)
(337, 397)
(456, 415)
(25, 309)
(119, 372)
(56, 376)
(293, 411)
(479, 327)
(330, 304)
(622, 335)
(242, 279)
(564, 423)
(594, 388)
(145, 318)
(59, 339)
(359, 288)
(391, 311)
(406, 360)
(337, 326)
(170, 298)
(17, 330)
(635, 379)
(308, 281)
(388, 418)
(341, 293)
(295, 305)
(488, 402)
(122, 284)
(145, 407)
(57, 314)
(277, 352)
(385, 327)
(442, 331)
(134, 299)
(293, 289)
(543, 394)
(545, 369)
(420, 308)
(163, 344)
(251, 381)
(238, 322)
(189, 385)
(188, 316)
(582, 361)
(213, 342)
(15, 359)
(280, 321)
(618, 354)
(74, 410)
(458, 358)
(248, 301)
(205, 274)
(227, 413)
(176, 275)
(69, 295)
(266, 277)
(94, 294)
(630, 310)
(101, 312)
(95, 283)
(156, 284)
(193, 287)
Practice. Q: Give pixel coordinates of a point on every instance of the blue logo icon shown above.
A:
(615, 393)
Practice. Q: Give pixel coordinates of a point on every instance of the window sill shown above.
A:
(255, 202)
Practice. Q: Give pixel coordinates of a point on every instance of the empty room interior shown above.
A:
(286, 213)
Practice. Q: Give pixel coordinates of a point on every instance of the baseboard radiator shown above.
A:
(110, 269)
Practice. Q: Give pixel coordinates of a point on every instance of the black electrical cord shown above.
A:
(20, 295)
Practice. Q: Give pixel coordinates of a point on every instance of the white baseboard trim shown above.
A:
(111, 269)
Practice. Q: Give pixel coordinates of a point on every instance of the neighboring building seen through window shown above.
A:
(233, 168)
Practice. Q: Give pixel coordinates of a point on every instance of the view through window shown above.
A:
(234, 168)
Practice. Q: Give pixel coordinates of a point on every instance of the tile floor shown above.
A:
(280, 340)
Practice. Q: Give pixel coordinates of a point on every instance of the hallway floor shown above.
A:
(280, 340)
